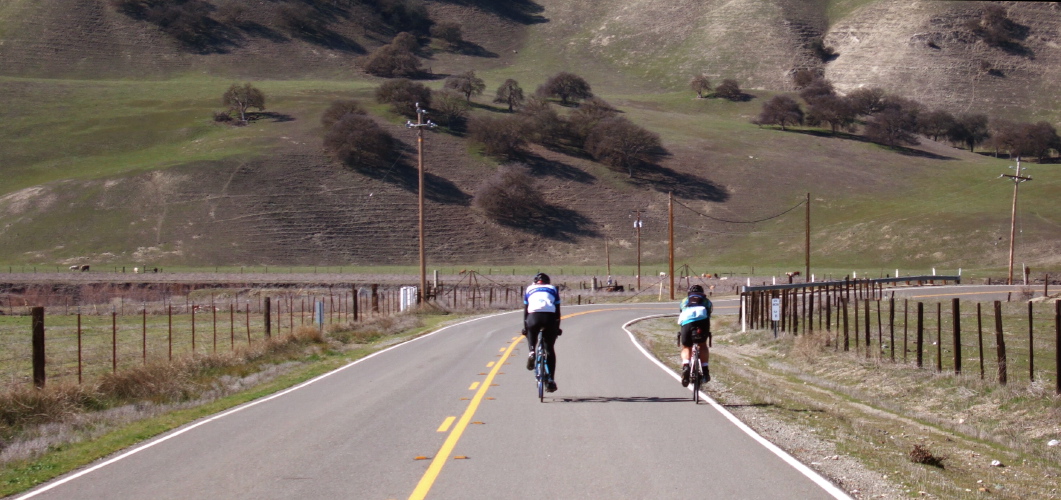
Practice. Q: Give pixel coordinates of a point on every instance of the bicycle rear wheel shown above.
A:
(695, 373)
(540, 369)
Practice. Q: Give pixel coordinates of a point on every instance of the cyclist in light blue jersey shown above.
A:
(695, 319)
(541, 315)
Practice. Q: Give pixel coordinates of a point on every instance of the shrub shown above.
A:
(450, 108)
(780, 110)
(358, 141)
(542, 124)
(339, 109)
(406, 41)
(403, 95)
(391, 61)
(448, 32)
(509, 195)
(619, 143)
(587, 116)
(729, 89)
(499, 136)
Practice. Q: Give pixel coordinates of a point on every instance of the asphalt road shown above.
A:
(455, 414)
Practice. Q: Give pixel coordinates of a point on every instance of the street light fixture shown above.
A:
(419, 126)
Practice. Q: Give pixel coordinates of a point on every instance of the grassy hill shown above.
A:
(108, 153)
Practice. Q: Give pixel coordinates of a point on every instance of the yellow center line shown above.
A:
(490, 364)
(474, 386)
(435, 468)
(446, 423)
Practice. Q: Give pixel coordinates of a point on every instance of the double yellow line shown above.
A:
(443, 454)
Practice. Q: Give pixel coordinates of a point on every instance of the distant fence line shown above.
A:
(847, 312)
(107, 329)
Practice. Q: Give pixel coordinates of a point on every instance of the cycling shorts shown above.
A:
(695, 333)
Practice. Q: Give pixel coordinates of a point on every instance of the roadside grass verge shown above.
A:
(47, 433)
(882, 414)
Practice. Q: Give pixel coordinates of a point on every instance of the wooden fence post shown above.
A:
(268, 318)
(920, 333)
(868, 321)
(1031, 346)
(956, 311)
(375, 299)
(1000, 341)
(980, 338)
(939, 337)
(891, 324)
(847, 341)
(37, 313)
(857, 323)
(114, 341)
(1057, 344)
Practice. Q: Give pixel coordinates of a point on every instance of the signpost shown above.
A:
(775, 313)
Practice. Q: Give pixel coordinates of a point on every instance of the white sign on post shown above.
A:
(775, 309)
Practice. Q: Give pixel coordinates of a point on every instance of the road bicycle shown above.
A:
(696, 372)
(541, 368)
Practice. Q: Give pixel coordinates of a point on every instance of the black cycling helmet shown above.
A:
(541, 278)
(696, 289)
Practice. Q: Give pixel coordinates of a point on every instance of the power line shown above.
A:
(740, 222)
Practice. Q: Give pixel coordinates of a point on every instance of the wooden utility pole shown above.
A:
(420, 124)
(637, 225)
(1017, 179)
(806, 277)
(670, 239)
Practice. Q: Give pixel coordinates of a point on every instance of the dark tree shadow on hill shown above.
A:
(269, 115)
(407, 177)
(520, 11)
(552, 222)
(664, 180)
(903, 150)
(467, 48)
(253, 29)
(541, 167)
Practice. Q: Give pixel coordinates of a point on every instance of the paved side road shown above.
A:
(455, 414)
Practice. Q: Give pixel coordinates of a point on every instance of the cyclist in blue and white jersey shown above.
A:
(695, 319)
(541, 314)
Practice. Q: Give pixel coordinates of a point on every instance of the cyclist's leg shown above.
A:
(686, 339)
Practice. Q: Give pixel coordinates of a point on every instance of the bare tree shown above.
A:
(466, 83)
(867, 100)
(729, 89)
(833, 110)
(403, 95)
(970, 129)
(589, 113)
(542, 124)
(448, 32)
(449, 108)
(510, 93)
(780, 110)
(896, 124)
(499, 136)
(700, 84)
(509, 195)
(360, 142)
(391, 61)
(339, 109)
(239, 98)
(935, 124)
(619, 143)
(566, 86)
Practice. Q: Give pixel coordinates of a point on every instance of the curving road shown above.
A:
(455, 415)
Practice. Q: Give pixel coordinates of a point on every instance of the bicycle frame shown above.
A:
(541, 367)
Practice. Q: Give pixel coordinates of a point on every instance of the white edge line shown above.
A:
(825, 484)
(244, 406)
